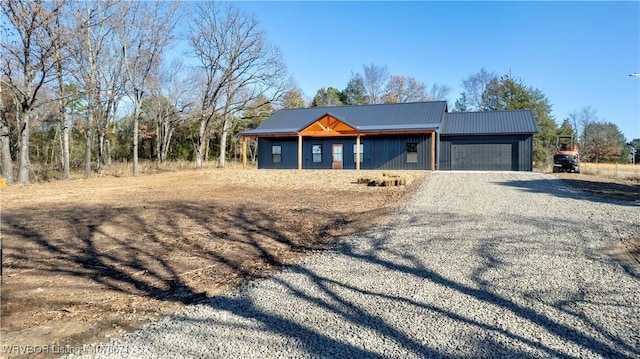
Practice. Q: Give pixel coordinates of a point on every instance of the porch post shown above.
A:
(358, 152)
(244, 152)
(299, 152)
(433, 150)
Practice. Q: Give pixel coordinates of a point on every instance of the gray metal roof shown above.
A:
(364, 118)
(490, 122)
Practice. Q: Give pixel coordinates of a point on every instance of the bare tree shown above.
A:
(98, 69)
(475, 86)
(258, 113)
(375, 80)
(146, 36)
(171, 106)
(404, 89)
(30, 59)
(164, 117)
(581, 120)
(237, 63)
(62, 33)
(438, 92)
(8, 106)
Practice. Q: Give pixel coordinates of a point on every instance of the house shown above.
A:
(403, 136)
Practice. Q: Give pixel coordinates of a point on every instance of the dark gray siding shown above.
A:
(390, 152)
(486, 153)
(379, 152)
(326, 146)
(289, 147)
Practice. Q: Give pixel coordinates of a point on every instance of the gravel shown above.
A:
(477, 265)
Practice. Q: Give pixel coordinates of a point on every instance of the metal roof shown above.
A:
(490, 122)
(364, 118)
(402, 117)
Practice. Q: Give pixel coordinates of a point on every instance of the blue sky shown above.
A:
(578, 53)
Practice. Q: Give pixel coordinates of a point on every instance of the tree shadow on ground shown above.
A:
(81, 242)
(142, 251)
(397, 260)
(69, 263)
(580, 189)
(570, 301)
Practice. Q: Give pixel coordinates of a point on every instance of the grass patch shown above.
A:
(611, 170)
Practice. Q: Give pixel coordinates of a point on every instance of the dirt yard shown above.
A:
(88, 260)
(627, 189)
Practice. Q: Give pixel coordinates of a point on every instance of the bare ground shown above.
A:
(87, 260)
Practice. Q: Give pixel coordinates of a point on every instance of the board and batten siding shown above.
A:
(390, 153)
(289, 150)
(484, 152)
(379, 152)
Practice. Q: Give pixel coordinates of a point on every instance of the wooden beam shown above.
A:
(321, 126)
(329, 133)
(433, 150)
(299, 152)
(244, 152)
(358, 153)
(328, 124)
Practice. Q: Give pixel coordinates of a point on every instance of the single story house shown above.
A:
(403, 136)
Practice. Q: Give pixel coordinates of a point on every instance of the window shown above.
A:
(361, 152)
(316, 151)
(276, 154)
(412, 152)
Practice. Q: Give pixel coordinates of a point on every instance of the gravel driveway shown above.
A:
(476, 265)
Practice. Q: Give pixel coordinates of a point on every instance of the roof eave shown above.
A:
(487, 133)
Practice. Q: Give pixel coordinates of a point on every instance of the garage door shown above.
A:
(481, 157)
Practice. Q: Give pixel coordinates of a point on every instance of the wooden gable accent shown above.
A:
(328, 126)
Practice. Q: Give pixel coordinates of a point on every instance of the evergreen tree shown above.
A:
(293, 99)
(462, 105)
(512, 94)
(566, 129)
(327, 97)
(354, 93)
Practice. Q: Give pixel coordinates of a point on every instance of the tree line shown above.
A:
(83, 84)
(484, 90)
(70, 67)
(376, 85)
(598, 140)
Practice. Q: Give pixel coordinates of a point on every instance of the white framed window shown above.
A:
(361, 152)
(316, 152)
(412, 152)
(276, 154)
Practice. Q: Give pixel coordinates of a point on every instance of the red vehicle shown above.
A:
(567, 156)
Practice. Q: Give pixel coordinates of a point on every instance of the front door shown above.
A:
(336, 150)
